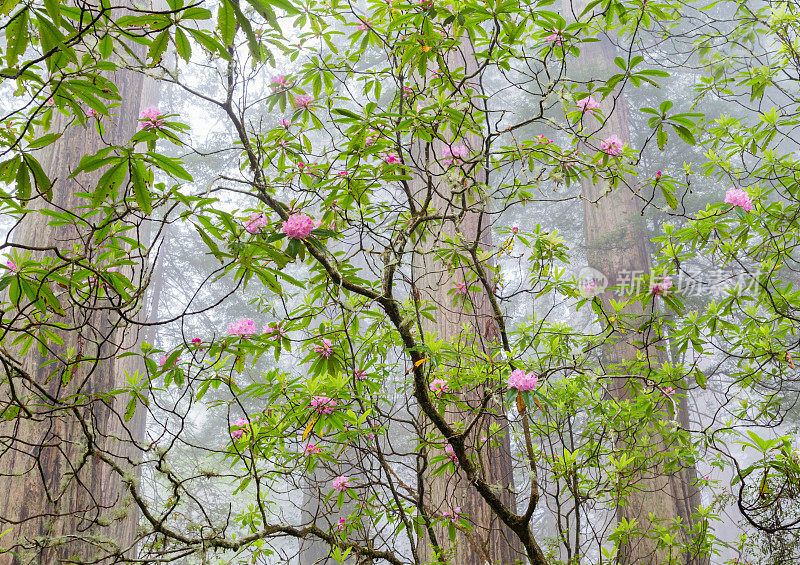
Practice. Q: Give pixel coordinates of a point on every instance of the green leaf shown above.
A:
(16, 37)
(106, 46)
(670, 198)
(130, 410)
(226, 22)
(211, 44)
(182, 44)
(140, 190)
(23, 184)
(684, 134)
(169, 165)
(158, 46)
(53, 9)
(40, 178)
(46, 139)
(110, 182)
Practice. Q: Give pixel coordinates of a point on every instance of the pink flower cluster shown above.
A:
(163, 360)
(324, 348)
(588, 105)
(242, 424)
(739, 197)
(243, 327)
(454, 515)
(298, 226)
(12, 266)
(391, 158)
(612, 145)
(303, 101)
(150, 118)
(439, 387)
(279, 330)
(255, 223)
(312, 449)
(360, 374)
(371, 137)
(454, 154)
(363, 25)
(341, 483)
(451, 453)
(323, 404)
(661, 288)
(542, 139)
(278, 81)
(340, 525)
(555, 38)
(522, 381)
(669, 392)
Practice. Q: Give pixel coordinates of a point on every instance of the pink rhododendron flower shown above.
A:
(298, 226)
(461, 288)
(12, 265)
(303, 101)
(278, 329)
(255, 223)
(286, 123)
(150, 118)
(439, 387)
(163, 360)
(555, 38)
(669, 392)
(543, 139)
(454, 515)
(364, 25)
(662, 287)
(242, 424)
(342, 174)
(341, 524)
(515, 228)
(371, 137)
(243, 327)
(360, 374)
(522, 381)
(312, 449)
(451, 453)
(325, 348)
(588, 105)
(658, 175)
(323, 404)
(341, 483)
(391, 158)
(278, 81)
(612, 145)
(739, 197)
(196, 341)
(454, 154)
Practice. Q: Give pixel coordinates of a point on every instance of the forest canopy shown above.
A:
(454, 282)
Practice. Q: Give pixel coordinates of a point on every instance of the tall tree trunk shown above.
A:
(63, 501)
(490, 540)
(616, 245)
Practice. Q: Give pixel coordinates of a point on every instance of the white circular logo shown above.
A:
(591, 282)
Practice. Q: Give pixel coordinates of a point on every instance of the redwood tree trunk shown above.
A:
(63, 501)
(490, 540)
(616, 245)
